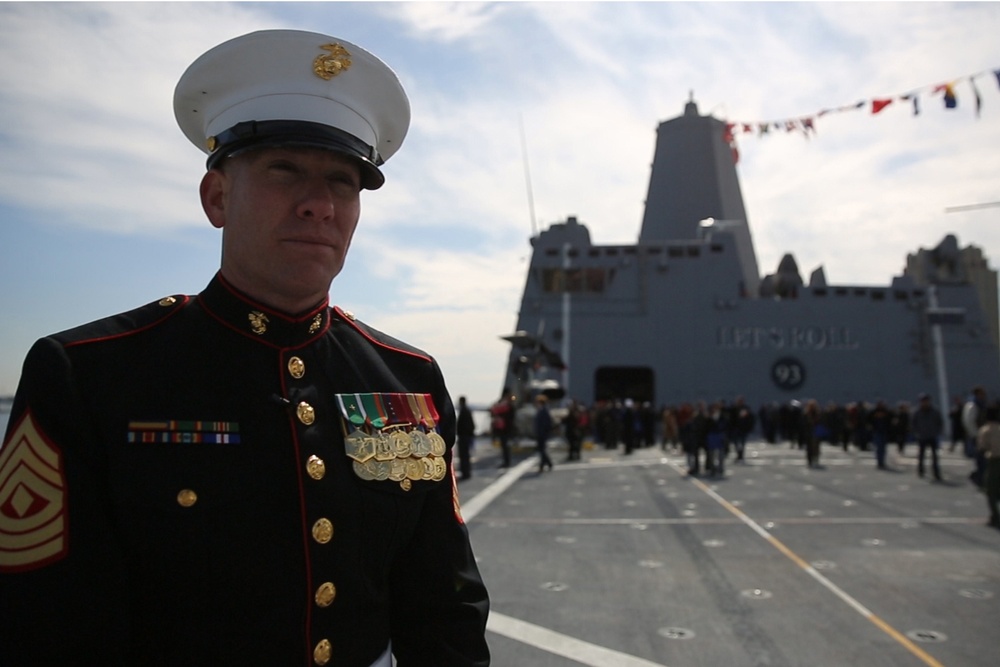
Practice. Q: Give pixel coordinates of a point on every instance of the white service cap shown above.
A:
(290, 87)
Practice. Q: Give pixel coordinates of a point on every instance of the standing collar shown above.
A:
(254, 320)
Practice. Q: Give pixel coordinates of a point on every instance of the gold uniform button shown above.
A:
(305, 413)
(187, 498)
(296, 368)
(168, 301)
(322, 531)
(325, 594)
(349, 315)
(316, 467)
(322, 652)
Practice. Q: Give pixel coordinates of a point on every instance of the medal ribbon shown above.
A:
(400, 409)
(350, 409)
(415, 407)
(373, 409)
(428, 409)
(391, 409)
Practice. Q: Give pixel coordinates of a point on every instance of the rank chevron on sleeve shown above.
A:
(33, 522)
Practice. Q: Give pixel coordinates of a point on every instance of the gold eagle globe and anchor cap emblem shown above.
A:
(329, 65)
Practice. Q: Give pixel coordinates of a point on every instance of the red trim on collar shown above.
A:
(245, 298)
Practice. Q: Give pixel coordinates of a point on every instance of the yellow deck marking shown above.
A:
(811, 571)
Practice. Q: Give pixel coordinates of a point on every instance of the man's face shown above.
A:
(288, 216)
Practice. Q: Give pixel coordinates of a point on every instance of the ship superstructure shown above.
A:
(684, 315)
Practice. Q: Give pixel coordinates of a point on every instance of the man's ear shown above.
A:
(213, 197)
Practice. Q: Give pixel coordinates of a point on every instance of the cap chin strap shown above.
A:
(257, 134)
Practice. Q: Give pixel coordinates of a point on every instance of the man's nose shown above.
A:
(317, 203)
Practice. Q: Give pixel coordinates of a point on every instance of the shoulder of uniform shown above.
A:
(124, 324)
(377, 337)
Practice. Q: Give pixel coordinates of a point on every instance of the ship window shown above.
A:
(656, 250)
(551, 252)
(840, 291)
(611, 252)
(716, 247)
(819, 291)
(674, 251)
(693, 251)
(574, 280)
(878, 295)
(573, 252)
(594, 252)
(901, 295)
(860, 291)
(552, 280)
(918, 292)
(557, 281)
(631, 250)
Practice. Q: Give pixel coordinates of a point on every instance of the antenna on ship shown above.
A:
(527, 177)
(972, 207)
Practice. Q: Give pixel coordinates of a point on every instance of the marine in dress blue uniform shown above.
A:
(210, 480)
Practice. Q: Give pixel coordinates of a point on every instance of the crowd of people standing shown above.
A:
(708, 433)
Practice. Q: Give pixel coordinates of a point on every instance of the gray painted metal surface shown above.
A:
(623, 561)
(683, 315)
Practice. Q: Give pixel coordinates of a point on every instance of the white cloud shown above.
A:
(88, 114)
(453, 304)
(445, 21)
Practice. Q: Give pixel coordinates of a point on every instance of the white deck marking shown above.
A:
(563, 645)
(528, 633)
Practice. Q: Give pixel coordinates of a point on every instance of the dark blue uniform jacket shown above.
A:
(174, 490)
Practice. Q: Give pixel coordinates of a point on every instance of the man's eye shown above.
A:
(283, 167)
(344, 182)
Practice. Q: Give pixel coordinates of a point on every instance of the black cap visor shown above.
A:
(259, 134)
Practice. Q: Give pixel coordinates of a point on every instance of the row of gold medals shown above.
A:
(403, 452)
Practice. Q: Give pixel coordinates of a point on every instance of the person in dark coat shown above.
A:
(573, 431)
(686, 422)
(715, 440)
(543, 429)
(901, 426)
(741, 423)
(880, 423)
(927, 425)
(957, 427)
(699, 439)
(630, 426)
(466, 433)
(811, 422)
(246, 475)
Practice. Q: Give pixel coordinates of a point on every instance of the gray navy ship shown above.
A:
(684, 314)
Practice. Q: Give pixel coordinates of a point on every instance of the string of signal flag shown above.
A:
(807, 124)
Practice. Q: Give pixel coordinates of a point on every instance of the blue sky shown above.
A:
(98, 187)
